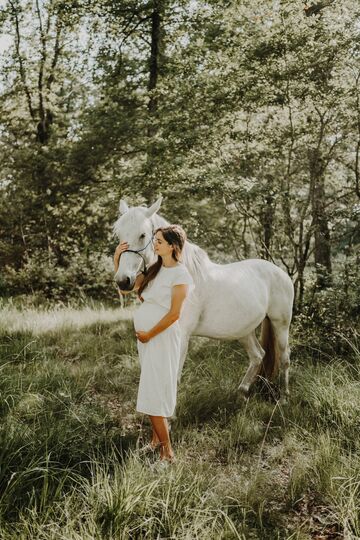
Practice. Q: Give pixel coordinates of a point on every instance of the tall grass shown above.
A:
(69, 464)
(30, 319)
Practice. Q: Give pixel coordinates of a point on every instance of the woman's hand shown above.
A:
(144, 337)
(123, 246)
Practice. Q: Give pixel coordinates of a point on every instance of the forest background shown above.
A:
(245, 116)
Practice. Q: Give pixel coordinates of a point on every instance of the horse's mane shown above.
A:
(193, 256)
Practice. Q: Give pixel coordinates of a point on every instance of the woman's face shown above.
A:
(161, 246)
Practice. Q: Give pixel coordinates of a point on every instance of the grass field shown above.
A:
(70, 467)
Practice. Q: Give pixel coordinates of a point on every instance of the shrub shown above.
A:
(83, 275)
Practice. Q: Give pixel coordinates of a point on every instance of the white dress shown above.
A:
(159, 358)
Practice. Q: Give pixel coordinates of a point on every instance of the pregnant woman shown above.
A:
(162, 291)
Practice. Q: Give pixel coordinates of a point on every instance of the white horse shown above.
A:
(229, 301)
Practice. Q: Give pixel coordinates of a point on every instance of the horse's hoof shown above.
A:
(244, 392)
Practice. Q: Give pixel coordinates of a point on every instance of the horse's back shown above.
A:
(237, 296)
(279, 285)
(251, 270)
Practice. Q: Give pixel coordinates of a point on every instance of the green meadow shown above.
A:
(70, 466)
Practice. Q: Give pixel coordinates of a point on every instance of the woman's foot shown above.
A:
(155, 443)
(149, 448)
(154, 446)
(168, 460)
(167, 453)
(155, 440)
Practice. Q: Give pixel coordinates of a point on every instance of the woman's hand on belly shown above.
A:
(144, 337)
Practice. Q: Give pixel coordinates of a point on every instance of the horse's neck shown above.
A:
(196, 261)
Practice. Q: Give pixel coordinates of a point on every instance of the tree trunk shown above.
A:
(267, 220)
(322, 251)
(155, 57)
(155, 65)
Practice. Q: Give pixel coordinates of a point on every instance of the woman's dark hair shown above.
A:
(175, 236)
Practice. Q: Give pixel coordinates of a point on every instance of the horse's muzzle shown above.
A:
(125, 284)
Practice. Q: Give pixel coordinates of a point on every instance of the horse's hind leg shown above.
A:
(255, 353)
(281, 330)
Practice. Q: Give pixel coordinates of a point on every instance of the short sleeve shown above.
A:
(183, 277)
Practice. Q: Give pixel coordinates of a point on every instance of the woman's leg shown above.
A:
(160, 427)
(154, 439)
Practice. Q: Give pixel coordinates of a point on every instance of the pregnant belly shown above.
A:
(147, 315)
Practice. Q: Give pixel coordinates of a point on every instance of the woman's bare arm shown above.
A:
(123, 246)
(138, 281)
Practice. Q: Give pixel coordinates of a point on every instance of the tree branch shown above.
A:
(20, 60)
(315, 9)
(42, 62)
(57, 49)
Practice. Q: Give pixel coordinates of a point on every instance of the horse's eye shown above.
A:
(142, 236)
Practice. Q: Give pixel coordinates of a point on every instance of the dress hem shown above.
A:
(153, 413)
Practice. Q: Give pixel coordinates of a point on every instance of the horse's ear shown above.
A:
(154, 207)
(123, 207)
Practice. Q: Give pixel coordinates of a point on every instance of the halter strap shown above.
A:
(138, 252)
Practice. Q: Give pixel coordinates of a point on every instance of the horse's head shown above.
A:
(136, 227)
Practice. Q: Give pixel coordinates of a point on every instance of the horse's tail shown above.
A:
(271, 362)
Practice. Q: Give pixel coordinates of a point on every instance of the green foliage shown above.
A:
(253, 111)
(84, 276)
(329, 317)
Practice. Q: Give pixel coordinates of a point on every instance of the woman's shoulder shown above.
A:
(182, 272)
(181, 268)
